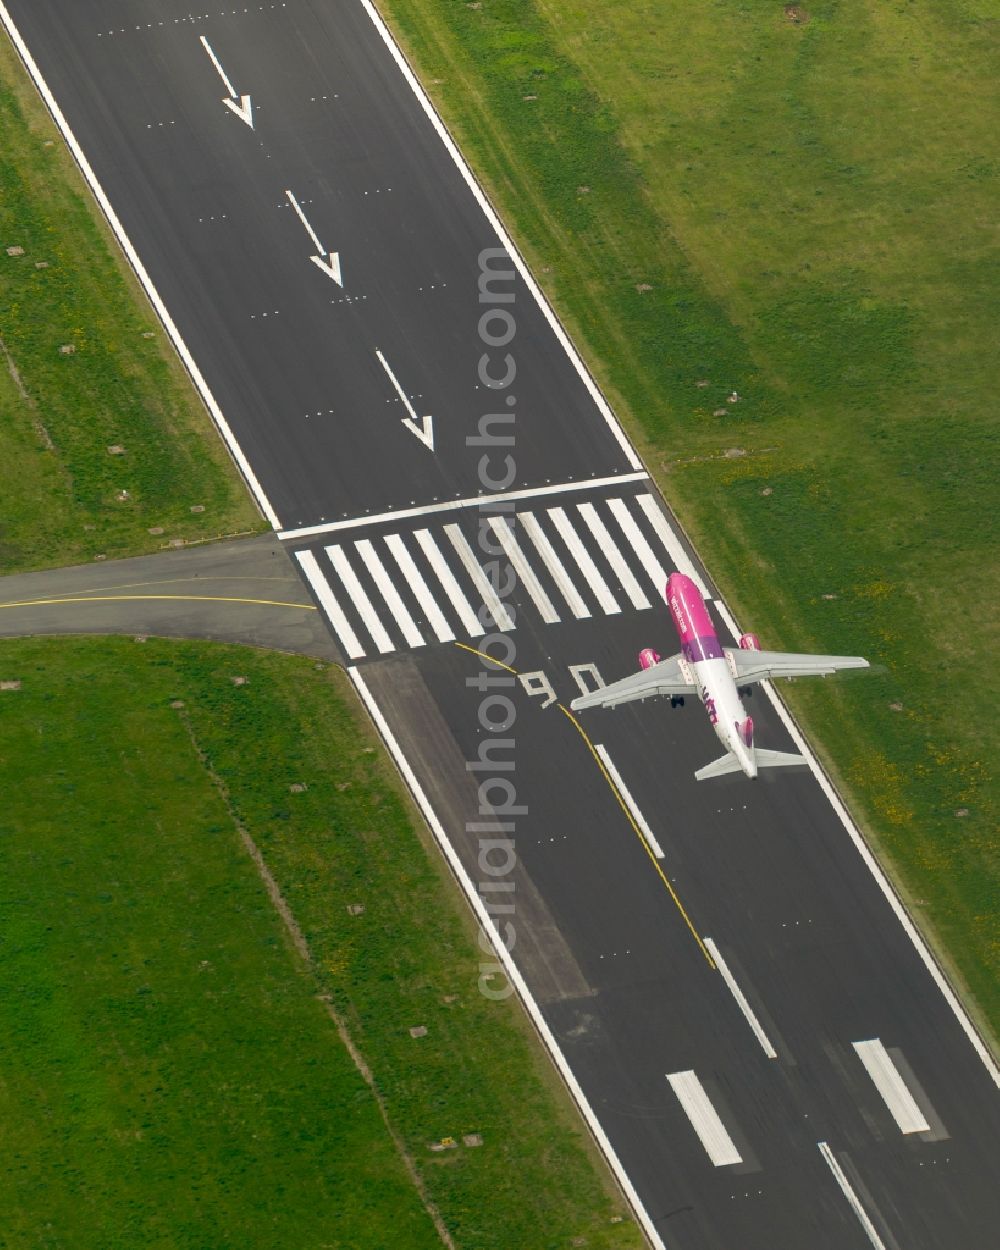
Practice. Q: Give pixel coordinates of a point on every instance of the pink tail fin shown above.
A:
(746, 731)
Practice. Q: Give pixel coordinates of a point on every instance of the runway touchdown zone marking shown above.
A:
(705, 1120)
(890, 1084)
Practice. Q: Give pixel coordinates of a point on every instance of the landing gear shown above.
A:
(676, 700)
(745, 692)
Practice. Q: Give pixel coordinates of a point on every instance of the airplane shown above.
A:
(717, 674)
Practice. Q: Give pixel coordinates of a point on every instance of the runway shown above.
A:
(766, 1053)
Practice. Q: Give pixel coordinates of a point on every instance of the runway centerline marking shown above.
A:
(639, 834)
(741, 1000)
(890, 1084)
(632, 805)
(483, 655)
(455, 505)
(848, 1192)
(705, 1120)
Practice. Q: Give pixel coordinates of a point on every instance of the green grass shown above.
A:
(808, 210)
(171, 1076)
(121, 386)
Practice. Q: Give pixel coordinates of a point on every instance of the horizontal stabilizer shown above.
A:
(719, 768)
(777, 759)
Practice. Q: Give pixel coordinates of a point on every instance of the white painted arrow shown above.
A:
(330, 266)
(425, 429)
(329, 262)
(239, 104)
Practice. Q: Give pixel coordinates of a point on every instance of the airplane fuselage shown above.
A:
(704, 655)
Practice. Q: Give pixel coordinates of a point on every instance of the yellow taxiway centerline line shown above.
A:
(484, 656)
(638, 833)
(269, 603)
(621, 803)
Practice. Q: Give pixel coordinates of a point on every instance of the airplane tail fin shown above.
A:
(777, 759)
(718, 768)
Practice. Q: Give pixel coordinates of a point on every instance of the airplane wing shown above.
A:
(751, 666)
(668, 677)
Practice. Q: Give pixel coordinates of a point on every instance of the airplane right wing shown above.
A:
(667, 677)
(751, 666)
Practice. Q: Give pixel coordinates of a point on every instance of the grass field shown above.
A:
(798, 208)
(171, 1075)
(69, 499)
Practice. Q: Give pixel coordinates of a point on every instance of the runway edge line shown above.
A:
(520, 985)
(132, 256)
(875, 868)
(493, 217)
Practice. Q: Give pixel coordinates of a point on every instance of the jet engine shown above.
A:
(749, 642)
(648, 657)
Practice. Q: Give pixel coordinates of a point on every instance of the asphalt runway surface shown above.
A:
(765, 1053)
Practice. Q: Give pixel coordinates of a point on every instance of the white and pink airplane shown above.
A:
(716, 674)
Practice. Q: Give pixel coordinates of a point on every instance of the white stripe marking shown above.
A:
(302, 217)
(421, 591)
(215, 61)
(637, 540)
(454, 505)
(895, 1092)
(681, 559)
(524, 570)
(399, 390)
(614, 556)
(133, 259)
(629, 801)
(555, 566)
(501, 616)
(449, 584)
(740, 997)
(360, 600)
(390, 594)
(851, 1196)
(586, 566)
(712, 1134)
(322, 591)
(909, 928)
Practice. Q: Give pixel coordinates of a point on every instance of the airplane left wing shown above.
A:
(751, 666)
(667, 677)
